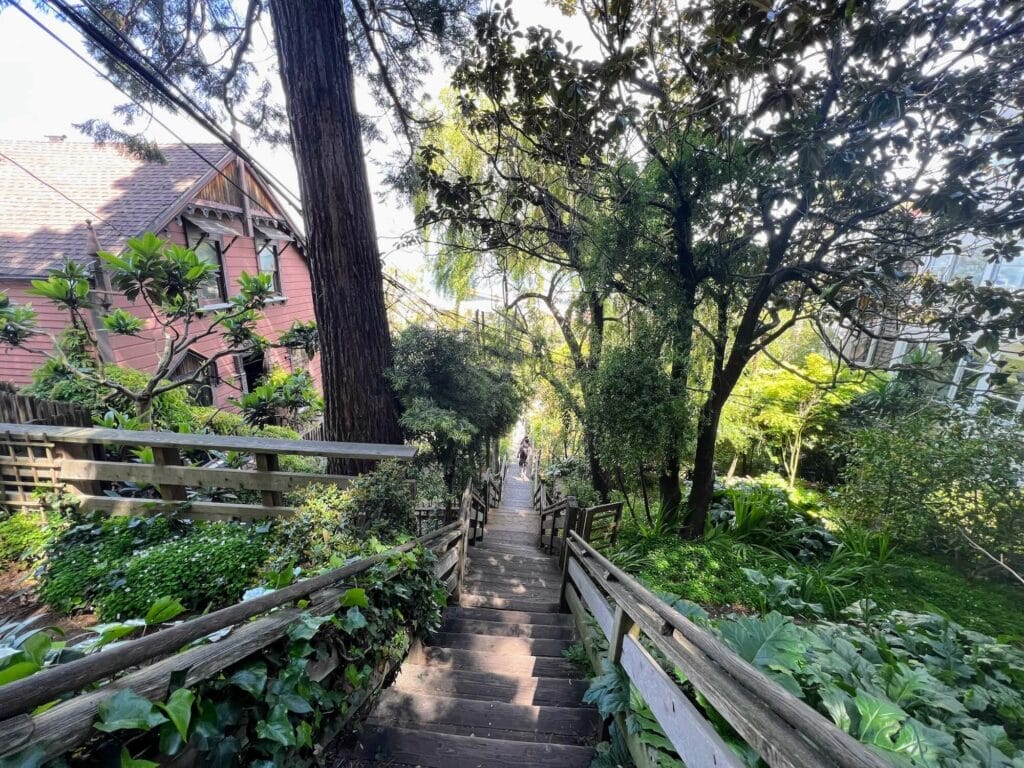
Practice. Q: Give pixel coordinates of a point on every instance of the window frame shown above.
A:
(262, 244)
(208, 383)
(220, 278)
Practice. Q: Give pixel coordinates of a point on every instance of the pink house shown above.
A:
(204, 197)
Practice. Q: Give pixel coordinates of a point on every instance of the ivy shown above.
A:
(280, 706)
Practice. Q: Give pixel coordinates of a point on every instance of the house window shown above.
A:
(208, 249)
(993, 381)
(202, 388)
(269, 265)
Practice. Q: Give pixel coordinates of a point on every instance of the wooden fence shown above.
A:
(782, 729)
(22, 409)
(35, 456)
(154, 660)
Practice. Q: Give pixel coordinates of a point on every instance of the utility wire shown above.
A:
(67, 197)
(182, 102)
(152, 115)
(210, 120)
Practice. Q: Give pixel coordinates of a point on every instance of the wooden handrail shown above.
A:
(784, 730)
(46, 685)
(102, 436)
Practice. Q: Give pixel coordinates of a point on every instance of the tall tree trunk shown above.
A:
(703, 487)
(341, 242)
(598, 475)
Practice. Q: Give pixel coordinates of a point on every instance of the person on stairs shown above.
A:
(524, 455)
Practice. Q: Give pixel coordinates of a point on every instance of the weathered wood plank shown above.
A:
(554, 724)
(195, 477)
(196, 510)
(492, 686)
(797, 716)
(101, 436)
(592, 597)
(435, 750)
(691, 734)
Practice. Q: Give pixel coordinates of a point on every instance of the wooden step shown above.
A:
(525, 538)
(504, 646)
(515, 580)
(486, 719)
(490, 546)
(506, 629)
(489, 686)
(491, 557)
(478, 661)
(474, 598)
(534, 570)
(512, 617)
(403, 746)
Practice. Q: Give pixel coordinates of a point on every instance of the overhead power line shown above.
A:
(152, 77)
(149, 112)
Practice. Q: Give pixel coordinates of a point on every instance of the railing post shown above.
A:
(268, 462)
(622, 625)
(572, 514)
(169, 457)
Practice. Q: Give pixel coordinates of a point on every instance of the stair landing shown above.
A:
(491, 688)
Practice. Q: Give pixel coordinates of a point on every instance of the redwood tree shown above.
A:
(204, 54)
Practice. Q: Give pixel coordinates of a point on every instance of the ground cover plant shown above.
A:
(270, 709)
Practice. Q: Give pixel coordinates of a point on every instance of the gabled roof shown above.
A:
(40, 227)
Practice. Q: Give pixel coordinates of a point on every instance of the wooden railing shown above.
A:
(40, 456)
(781, 728)
(158, 661)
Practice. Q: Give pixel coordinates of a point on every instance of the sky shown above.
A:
(45, 90)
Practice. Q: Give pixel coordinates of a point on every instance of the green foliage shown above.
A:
(81, 562)
(934, 585)
(380, 502)
(272, 708)
(57, 381)
(24, 534)
(281, 395)
(454, 395)
(639, 417)
(923, 470)
(207, 568)
(707, 572)
(304, 336)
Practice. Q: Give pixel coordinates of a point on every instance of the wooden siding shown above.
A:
(221, 190)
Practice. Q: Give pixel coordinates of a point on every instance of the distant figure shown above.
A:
(524, 454)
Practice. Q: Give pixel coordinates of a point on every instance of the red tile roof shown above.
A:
(124, 196)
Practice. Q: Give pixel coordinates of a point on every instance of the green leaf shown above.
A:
(251, 679)
(17, 671)
(306, 627)
(355, 596)
(163, 610)
(296, 703)
(880, 720)
(31, 758)
(353, 620)
(277, 727)
(126, 710)
(179, 709)
(127, 761)
(36, 647)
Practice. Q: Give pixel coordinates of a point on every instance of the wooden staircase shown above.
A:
(491, 688)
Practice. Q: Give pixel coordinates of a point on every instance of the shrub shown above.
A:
(314, 532)
(23, 536)
(380, 502)
(81, 561)
(53, 381)
(708, 572)
(210, 567)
